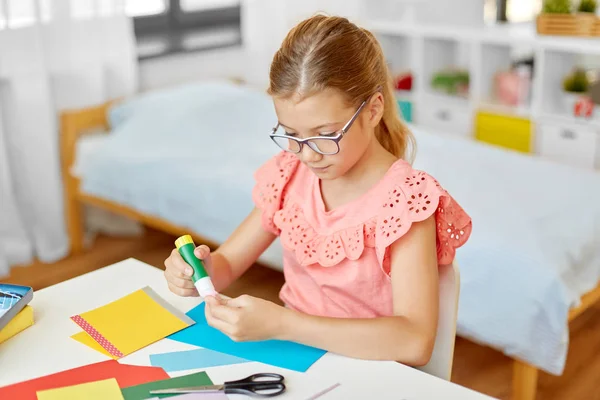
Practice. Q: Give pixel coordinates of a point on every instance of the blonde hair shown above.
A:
(324, 52)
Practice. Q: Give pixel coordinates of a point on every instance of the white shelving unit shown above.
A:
(483, 52)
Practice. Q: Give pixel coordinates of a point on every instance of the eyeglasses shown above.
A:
(326, 145)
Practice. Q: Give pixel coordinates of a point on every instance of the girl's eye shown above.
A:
(328, 134)
(290, 134)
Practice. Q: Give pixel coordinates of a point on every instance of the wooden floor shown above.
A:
(475, 366)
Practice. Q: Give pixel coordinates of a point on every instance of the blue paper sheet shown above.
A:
(192, 359)
(278, 353)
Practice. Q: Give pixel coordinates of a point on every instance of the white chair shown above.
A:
(440, 364)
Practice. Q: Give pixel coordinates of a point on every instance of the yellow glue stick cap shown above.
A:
(183, 240)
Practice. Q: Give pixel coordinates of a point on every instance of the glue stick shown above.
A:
(185, 245)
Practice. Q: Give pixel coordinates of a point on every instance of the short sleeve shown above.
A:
(415, 197)
(271, 182)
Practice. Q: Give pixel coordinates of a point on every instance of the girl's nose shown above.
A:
(309, 155)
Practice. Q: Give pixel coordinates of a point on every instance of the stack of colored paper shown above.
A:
(129, 323)
(109, 389)
(21, 321)
(124, 375)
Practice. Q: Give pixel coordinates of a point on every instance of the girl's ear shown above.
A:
(375, 108)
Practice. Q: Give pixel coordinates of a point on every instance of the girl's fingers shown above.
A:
(224, 313)
(219, 324)
(182, 291)
(184, 283)
(177, 265)
(202, 251)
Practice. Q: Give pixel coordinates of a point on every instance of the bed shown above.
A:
(182, 160)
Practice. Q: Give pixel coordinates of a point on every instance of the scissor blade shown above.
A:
(190, 389)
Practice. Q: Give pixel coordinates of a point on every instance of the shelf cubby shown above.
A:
(494, 59)
(441, 54)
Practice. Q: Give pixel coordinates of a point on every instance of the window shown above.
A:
(145, 7)
(164, 27)
(21, 13)
(198, 5)
(512, 10)
(522, 10)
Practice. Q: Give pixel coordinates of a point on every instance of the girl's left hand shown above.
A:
(245, 318)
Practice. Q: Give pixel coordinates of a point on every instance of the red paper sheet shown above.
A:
(126, 375)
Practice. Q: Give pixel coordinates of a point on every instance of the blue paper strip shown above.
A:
(192, 359)
(278, 353)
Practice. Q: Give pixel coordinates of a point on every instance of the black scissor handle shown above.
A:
(257, 378)
(256, 385)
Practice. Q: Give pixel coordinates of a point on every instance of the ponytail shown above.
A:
(392, 132)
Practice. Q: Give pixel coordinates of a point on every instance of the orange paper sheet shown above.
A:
(107, 389)
(130, 323)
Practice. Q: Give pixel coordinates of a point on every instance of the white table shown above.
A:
(46, 347)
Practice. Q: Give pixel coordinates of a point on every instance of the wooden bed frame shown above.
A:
(76, 123)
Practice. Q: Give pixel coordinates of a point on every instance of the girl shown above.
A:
(363, 233)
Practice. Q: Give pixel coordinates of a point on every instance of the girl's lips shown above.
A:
(321, 169)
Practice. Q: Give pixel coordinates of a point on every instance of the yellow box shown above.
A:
(503, 130)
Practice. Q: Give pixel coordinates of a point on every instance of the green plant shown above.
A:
(576, 82)
(557, 6)
(451, 81)
(587, 6)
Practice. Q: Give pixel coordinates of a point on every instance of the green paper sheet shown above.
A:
(141, 392)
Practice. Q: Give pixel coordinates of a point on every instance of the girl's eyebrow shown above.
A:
(315, 128)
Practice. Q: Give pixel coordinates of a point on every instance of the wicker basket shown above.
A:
(581, 24)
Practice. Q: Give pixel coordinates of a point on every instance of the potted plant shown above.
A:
(557, 7)
(451, 81)
(558, 17)
(575, 85)
(587, 6)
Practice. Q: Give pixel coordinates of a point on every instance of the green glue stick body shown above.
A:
(185, 245)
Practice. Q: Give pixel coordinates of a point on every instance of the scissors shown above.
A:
(257, 385)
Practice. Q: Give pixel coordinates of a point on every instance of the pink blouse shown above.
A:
(336, 263)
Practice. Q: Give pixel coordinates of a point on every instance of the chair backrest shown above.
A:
(440, 364)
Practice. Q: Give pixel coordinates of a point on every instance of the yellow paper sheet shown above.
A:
(107, 389)
(136, 320)
(84, 338)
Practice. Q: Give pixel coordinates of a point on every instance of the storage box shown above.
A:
(503, 130)
(569, 143)
(405, 107)
(446, 115)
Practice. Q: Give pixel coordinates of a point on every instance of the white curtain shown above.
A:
(54, 55)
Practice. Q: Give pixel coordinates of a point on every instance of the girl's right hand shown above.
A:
(179, 274)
